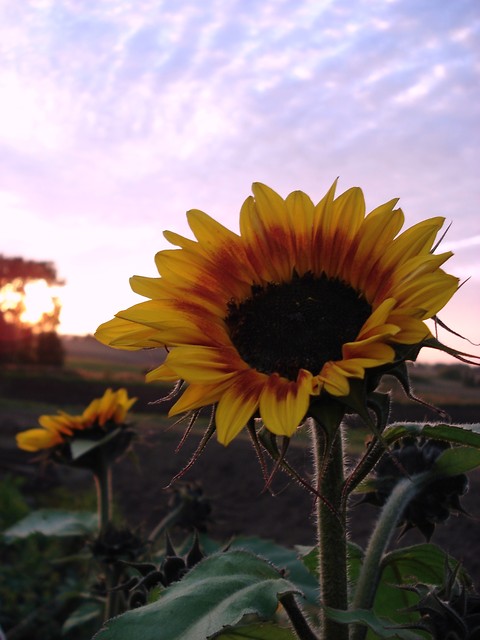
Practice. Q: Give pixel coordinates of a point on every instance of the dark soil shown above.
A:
(232, 481)
(231, 478)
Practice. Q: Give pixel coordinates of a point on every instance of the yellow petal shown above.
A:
(430, 293)
(123, 334)
(204, 365)
(376, 234)
(284, 403)
(162, 373)
(38, 439)
(412, 330)
(196, 396)
(301, 211)
(238, 404)
(335, 379)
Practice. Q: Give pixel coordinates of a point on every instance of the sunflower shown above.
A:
(56, 430)
(305, 298)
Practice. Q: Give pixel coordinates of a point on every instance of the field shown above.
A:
(231, 477)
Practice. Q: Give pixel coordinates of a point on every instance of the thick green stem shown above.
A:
(370, 573)
(103, 483)
(298, 620)
(170, 519)
(331, 523)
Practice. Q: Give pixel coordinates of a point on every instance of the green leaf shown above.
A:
(53, 522)
(215, 594)
(354, 560)
(80, 446)
(457, 460)
(86, 613)
(283, 559)
(422, 563)
(382, 628)
(266, 631)
(468, 435)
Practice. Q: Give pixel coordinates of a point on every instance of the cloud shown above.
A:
(117, 117)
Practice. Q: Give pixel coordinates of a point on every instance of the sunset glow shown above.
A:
(143, 111)
(33, 304)
(39, 300)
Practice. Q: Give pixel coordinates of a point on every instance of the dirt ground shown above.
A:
(231, 478)
(232, 481)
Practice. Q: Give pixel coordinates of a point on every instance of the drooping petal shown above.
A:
(284, 403)
(123, 334)
(238, 404)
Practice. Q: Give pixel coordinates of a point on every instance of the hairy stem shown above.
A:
(103, 484)
(370, 573)
(298, 620)
(331, 527)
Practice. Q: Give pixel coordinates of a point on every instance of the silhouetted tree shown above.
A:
(21, 341)
(50, 349)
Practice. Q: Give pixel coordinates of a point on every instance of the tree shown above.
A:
(23, 340)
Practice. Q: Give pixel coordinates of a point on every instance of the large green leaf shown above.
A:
(86, 613)
(382, 629)
(214, 595)
(53, 522)
(457, 460)
(422, 563)
(283, 559)
(262, 631)
(468, 434)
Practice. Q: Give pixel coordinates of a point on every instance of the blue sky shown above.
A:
(116, 117)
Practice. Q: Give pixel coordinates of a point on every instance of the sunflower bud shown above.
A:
(448, 612)
(193, 507)
(171, 569)
(115, 544)
(433, 504)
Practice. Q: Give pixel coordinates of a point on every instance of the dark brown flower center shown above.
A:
(301, 324)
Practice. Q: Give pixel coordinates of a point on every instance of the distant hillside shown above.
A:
(88, 348)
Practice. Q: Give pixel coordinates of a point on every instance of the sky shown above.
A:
(116, 117)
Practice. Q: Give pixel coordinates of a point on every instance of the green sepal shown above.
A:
(217, 594)
(463, 356)
(53, 522)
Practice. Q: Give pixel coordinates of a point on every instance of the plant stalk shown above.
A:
(103, 484)
(298, 620)
(370, 573)
(331, 527)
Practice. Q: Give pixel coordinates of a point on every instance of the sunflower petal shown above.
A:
(37, 439)
(284, 403)
(238, 404)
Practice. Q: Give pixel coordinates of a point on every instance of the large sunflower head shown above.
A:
(58, 432)
(304, 299)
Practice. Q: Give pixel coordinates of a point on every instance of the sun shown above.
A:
(34, 303)
(40, 301)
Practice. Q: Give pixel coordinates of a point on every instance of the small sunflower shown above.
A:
(58, 429)
(305, 298)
